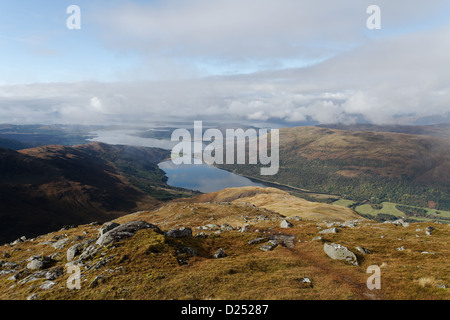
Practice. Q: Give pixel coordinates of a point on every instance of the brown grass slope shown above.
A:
(422, 158)
(42, 189)
(281, 202)
(151, 266)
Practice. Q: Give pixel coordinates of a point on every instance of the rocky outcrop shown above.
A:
(179, 233)
(107, 227)
(60, 244)
(339, 252)
(257, 241)
(125, 231)
(331, 230)
(39, 263)
(362, 250)
(74, 251)
(285, 224)
(269, 246)
(219, 254)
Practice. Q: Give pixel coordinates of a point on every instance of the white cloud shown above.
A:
(396, 76)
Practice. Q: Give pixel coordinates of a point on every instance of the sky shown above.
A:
(283, 61)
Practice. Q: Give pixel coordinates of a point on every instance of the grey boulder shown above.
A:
(219, 254)
(429, 230)
(286, 224)
(73, 251)
(179, 233)
(269, 246)
(60, 244)
(39, 263)
(338, 252)
(108, 226)
(257, 240)
(331, 230)
(125, 231)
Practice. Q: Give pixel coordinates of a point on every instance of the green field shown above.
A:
(390, 209)
(344, 203)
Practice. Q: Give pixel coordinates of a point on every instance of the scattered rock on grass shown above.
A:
(257, 241)
(47, 285)
(269, 246)
(331, 230)
(58, 245)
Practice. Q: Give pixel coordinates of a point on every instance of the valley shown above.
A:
(65, 206)
(362, 166)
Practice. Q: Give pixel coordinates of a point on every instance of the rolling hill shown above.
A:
(363, 165)
(281, 202)
(44, 188)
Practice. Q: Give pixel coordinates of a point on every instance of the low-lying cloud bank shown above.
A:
(400, 78)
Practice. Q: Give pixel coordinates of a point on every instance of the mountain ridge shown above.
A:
(44, 188)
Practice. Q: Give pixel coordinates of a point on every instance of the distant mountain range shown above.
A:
(438, 130)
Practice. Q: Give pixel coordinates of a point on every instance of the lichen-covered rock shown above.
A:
(339, 252)
(286, 240)
(269, 246)
(179, 233)
(39, 263)
(47, 285)
(257, 241)
(226, 227)
(331, 230)
(8, 265)
(125, 231)
(73, 251)
(219, 254)
(362, 250)
(429, 230)
(58, 245)
(90, 252)
(54, 273)
(211, 227)
(108, 226)
(286, 224)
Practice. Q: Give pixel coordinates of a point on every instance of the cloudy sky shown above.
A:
(284, 61)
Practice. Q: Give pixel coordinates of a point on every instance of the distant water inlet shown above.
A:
(235, 147)
(202, 177)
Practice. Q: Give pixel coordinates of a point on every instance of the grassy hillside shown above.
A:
(44, 188)
(155, 266)
(392, 167)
